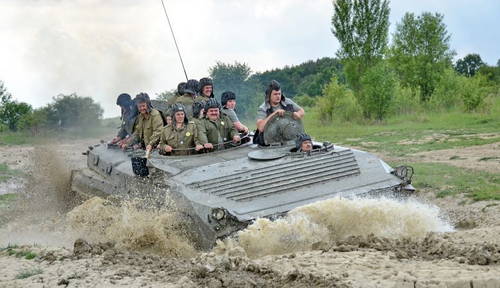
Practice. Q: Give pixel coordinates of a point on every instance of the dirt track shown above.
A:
(341, 257)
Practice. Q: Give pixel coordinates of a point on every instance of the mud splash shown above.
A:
(130, 228)
(306, 227)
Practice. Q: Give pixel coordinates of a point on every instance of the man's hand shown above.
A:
(296, 115)
(208, 146)
(280, 112)
(198, 147)
(168, 148)
(149, 148)
(136, 146)
(236, 139)
(115, 140)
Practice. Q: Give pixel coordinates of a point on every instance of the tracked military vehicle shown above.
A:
(223, 191)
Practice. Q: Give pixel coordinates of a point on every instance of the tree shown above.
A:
(420, 52)
(469, 65)
(74, 111)
(379, 87)
(234, 77)
(11, 111)
(361, 26)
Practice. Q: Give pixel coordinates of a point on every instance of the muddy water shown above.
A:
(336, 219)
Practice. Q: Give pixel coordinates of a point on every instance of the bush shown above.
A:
(337, 102)
(379, 86)
(474, 92)
(448, 90)
(305, 100)
(406, 101)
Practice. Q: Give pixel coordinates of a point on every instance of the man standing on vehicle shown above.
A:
(228, 100)
(147, 125)
(216, 129)
(275, 103)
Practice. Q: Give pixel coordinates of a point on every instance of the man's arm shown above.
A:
(202, 133)
(298, 114)
(261, 123)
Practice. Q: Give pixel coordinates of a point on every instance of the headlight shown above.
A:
(218, 214)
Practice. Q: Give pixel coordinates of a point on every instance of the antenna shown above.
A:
(175, 41)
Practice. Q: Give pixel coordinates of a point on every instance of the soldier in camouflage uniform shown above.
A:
(147, 125)
(181, 136)
(216, 128)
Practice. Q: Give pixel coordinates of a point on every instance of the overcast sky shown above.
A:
(101, 48)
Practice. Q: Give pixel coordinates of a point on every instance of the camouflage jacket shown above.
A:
(147, 128)
(180, 138)
(216, 132)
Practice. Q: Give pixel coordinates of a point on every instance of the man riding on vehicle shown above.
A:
(228, 99)
(206, 88)
(180, 137)
(216, 129)
(147, 125)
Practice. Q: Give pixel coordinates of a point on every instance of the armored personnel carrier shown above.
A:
(223, 191)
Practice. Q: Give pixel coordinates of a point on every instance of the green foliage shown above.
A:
(379, 87)
(28, 273)
(233, 77)
(307, 78)
(337, 102)
(474, 92)
(446, 95)
(11, 112)
(74, 111)
(491, 73)
(421, 52)
(469, 65)
(361, 26)
(305, 100)
(406, 101)
(402, 134)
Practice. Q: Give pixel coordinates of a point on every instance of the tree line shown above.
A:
(371, 77)
(64, 112)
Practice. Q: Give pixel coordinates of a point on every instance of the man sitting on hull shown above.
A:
(216, 129)
(275, 103)
(147, 125)
(228, 99)
(181, 136)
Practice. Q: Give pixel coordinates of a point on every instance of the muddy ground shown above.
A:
(424, 242)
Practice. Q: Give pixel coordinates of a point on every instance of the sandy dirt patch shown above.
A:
(480, 157)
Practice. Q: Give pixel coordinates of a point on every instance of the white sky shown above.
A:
(102, 48)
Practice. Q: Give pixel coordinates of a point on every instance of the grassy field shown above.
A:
(404, 135)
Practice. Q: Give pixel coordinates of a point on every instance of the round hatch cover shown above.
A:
(264, 155)
(281, 129)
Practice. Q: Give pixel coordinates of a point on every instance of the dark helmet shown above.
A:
(179, 107)
(192, 87)
(197, 107)
(206, 82)
(212, 103)
(226, 96)
(142, 97)
(180, 88)
(273, 86)
(123, 99)
(300, 139)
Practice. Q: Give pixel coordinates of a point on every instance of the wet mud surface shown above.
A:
(423, 242)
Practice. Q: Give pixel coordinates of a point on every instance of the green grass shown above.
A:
(6, 173)
(405, 134)
(447, 180)
(28, 273)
